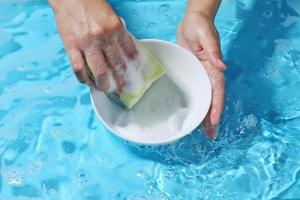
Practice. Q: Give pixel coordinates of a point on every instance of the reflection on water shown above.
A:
(52, 146)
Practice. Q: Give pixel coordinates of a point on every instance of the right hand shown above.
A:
(95, 38)
(198, 34)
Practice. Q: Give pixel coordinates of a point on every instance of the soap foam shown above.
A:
(163, 110)
(133, 77)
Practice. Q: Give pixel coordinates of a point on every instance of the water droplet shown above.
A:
(10, 88)
(43, 156)
(81, 178)
(34, 63)
(51, 191)
(267, 14)
(164, 7)
(141, 173)
(28, 140)
(21, 67)
(150, 25)
(35, 167)
(47, 89)
(30, 76)
(136, 27)
(68, 74)
(14, 176)
(119, 7)
(133, 12)
(68, 147)
(262, 24)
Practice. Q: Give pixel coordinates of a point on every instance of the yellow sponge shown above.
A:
(150, 71)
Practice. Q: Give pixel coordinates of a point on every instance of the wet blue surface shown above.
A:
(52, 146)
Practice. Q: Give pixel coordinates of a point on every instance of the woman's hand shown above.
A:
(198, 34)
(94, 37)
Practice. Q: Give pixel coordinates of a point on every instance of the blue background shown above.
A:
(52, 146)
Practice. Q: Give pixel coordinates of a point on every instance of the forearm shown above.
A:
(208, 8)
(55, 4)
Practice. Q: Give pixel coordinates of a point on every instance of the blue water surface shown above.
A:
(53, 147)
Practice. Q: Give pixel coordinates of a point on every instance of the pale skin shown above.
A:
(198, 34)
(94, 37)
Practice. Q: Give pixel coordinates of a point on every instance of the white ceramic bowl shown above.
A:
(186, 81)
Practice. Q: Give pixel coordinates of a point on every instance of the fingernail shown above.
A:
(214, 111)
(211, 132)
(217, 61)
(222, 65)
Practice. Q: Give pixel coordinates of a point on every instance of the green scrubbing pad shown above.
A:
(151, 70)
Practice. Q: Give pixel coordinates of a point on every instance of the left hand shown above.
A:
(198, 34)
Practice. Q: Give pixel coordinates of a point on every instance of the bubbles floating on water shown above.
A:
(267, 14)
(133, 12)
(141, 173)
(119, 7)
(250, 121)
(164, 7)
(81, 178)
(151, 25)
(35, 167)
(14, 176)
(47, 89)
(68, 147)
(10, 88)
(51, 191)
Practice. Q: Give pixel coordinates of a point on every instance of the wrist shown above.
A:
(57, 4)
(205, 8)
(201, 15)
(204, 13)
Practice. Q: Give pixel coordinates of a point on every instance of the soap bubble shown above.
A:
(176, 121)
(250, 121)
(81, 178)
(267, 14)
(51, 191)
(164, 7)
(14, 176)
(151, 25)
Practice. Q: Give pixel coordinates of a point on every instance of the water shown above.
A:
(52, 146)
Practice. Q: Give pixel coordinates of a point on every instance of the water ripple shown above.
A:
(52, 146)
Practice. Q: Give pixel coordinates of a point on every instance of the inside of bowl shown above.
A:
(161, 112)
(167, 111)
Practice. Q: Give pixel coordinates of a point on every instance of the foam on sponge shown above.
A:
(141, 73)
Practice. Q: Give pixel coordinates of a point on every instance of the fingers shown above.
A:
(209, 129)
(127, 44)
(218, 93)
(98, 66)
(118, 65)
(79, 66)
(209, 38)
(217, 98)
